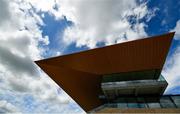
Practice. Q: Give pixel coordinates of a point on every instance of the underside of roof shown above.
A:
(80, 74)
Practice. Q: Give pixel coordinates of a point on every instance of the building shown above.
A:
(124, 77)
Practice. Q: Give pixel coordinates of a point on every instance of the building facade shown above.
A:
(124, 77)
(154, 104)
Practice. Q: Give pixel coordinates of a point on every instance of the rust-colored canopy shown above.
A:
(80, 74)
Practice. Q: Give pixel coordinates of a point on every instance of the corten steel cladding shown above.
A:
(80, 74)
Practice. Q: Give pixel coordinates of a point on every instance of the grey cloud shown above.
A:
(19, 84)
(6, 107)
(17, 64)
(19, 42)
(4, 11)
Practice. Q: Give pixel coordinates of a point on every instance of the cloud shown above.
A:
(100, 21)
(20, 36)
(177, 30)
(171, 69)
(15, 64)
(104, 21)
(6, 107)
(44, 6)
(4, 12)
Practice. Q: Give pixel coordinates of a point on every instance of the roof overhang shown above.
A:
(80, 74)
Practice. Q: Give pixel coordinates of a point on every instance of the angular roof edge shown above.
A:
(79, 74)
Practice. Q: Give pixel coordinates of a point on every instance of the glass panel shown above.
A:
(112, 105)
(131, 99)
(120, 100)
(110, 94)
(166, 102)
(107, 78)
(126, 76)
(141, 102)
(176, 100)
(154, 105)
(142, 105)
(153, 102)
(157, 73)
(132, 103)
(152, 99)
(122, 105)
(161, 78)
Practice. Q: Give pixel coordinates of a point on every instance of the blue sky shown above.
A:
(31, 30)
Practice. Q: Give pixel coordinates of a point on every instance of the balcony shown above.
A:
(114, 89)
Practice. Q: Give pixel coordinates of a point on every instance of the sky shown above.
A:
(31, 30)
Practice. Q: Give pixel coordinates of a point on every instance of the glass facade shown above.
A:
(121, 103)
(166, 101)
(141, 102)
(136, 75)
(134, 87)
(141, 89)
(176, 100)
(154, 105)
(161, 78)
(132, 103)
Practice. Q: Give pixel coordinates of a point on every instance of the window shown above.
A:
(161, 78)
(154, 105)
(112, 105)
(141, 102)
(176, 100)
(166, 102)
(122, 105)
(153, 102)
(132, 103)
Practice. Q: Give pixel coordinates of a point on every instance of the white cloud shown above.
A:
(98, 21)
(20, 36)
(45, 5)
(6, 107)
(171, 70)
(103, 21)
(177, 30)
(4, 12)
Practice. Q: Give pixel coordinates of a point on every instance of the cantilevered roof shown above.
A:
(80, 74)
